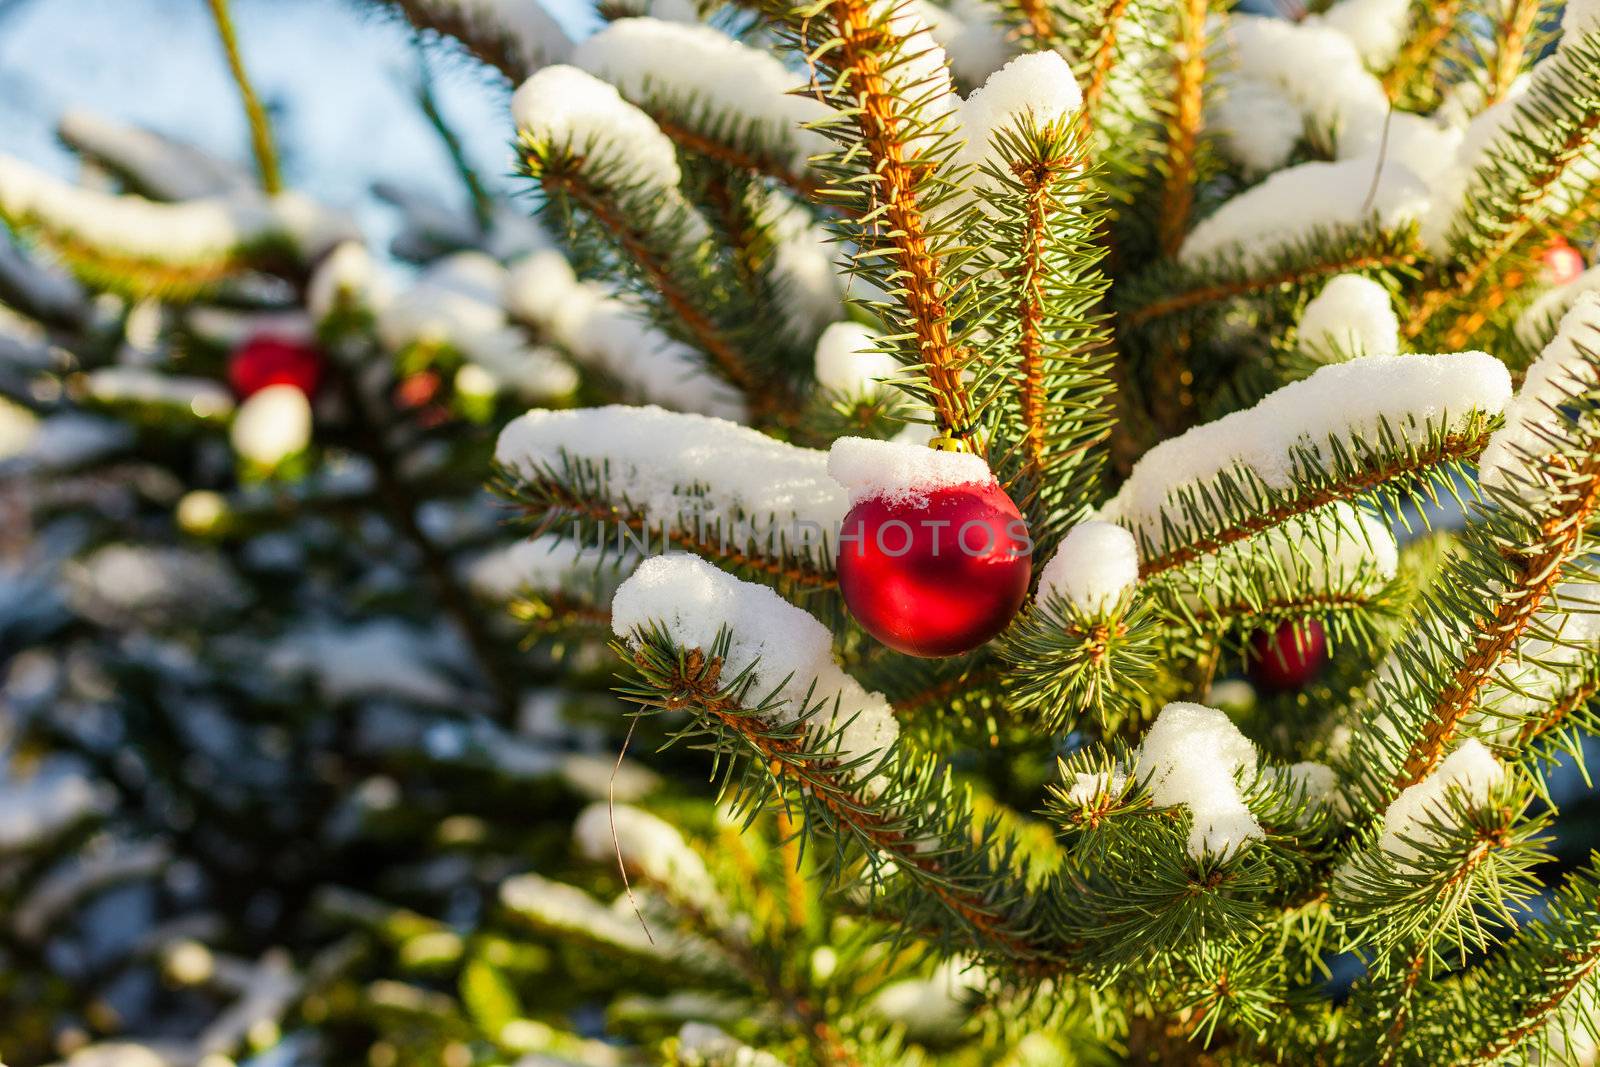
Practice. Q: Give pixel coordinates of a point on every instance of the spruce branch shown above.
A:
(1536, 175)
(1511, 44)
(1044, 388)
(576, 498)
(1396, 467)
(916, 823)
(1530, 581)
(1515, 1001)
(1432, 21)
(1169, 291)
(260, 128)
(1102, 57)
(892, 166)
(1179, 166)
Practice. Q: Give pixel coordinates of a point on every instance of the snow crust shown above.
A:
(272, 425)
(649, 845)
(901, 473)
(791, 652)
(850, 360)
(1533, 418)
(569, 108)
(1552, 306)
(1192, 756)
(1352, 316)
(1377, 28)
(674, 466)
(1470, 773)
(1341, 401)
(1037, 88)
(1097, 563)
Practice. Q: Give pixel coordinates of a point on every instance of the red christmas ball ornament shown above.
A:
(265, 360)
(935, 572)
(1289, 657)
(1560, 263)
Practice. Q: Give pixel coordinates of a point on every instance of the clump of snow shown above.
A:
(1469, 773)
(1096, 565)
(1036, 89)
(573, 111)
(1258, 123)
(564, 907)
(347, 277)
(545, 564)
(1580, 17)
(803, 270)
(1419, 143)
(1294, 202)
(1341, 401)
(933, 1008)
(119, 584)
(850, 360)
(790, 651)
(383, 657)
(534, 33)
(202, 397)
(711, 1044)
(709, 81)
(901, 473)
(18, 427)
(681, 471)
(1540, 321)
(1087, 787)
(1316, 781)
(1352, 316)
(648, 845)
(38, 806)
(605, 333)
(1193, 755)
(1316, 67)
(1377, 28)
(159, 165)
(457, 304)
(131, 225)
(1534, 424)
(272, 425)
(69, 440)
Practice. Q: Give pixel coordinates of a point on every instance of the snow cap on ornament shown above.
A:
(934, 559)
(900, 473)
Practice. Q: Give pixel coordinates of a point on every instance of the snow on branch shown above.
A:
(649, 846)
(1093, 570)
(1194, 756)
(456, 306)
(1411, 819)
(711, 94)
(152, 164)
(713, 487)
(1568, 367)
(142, 246)
(779, 652)
(601, 331)
(1352, 316)
(1300, 200)
(1339, 433)
(566, 112)
(513, 36)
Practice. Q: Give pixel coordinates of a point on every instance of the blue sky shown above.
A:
(339, 75)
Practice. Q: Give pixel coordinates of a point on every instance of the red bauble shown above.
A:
(935, 578)
(266, 360)
(1289, 657)
(1561, 263)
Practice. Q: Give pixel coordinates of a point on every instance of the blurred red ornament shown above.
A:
(936, 578)
(417, 390)
(1560, 263)
(1289, 657)
(265, 360)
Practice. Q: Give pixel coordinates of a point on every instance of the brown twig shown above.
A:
(1183, 129)
(1533, 579)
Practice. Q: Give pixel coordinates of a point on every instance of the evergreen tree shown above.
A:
(1242, 342)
